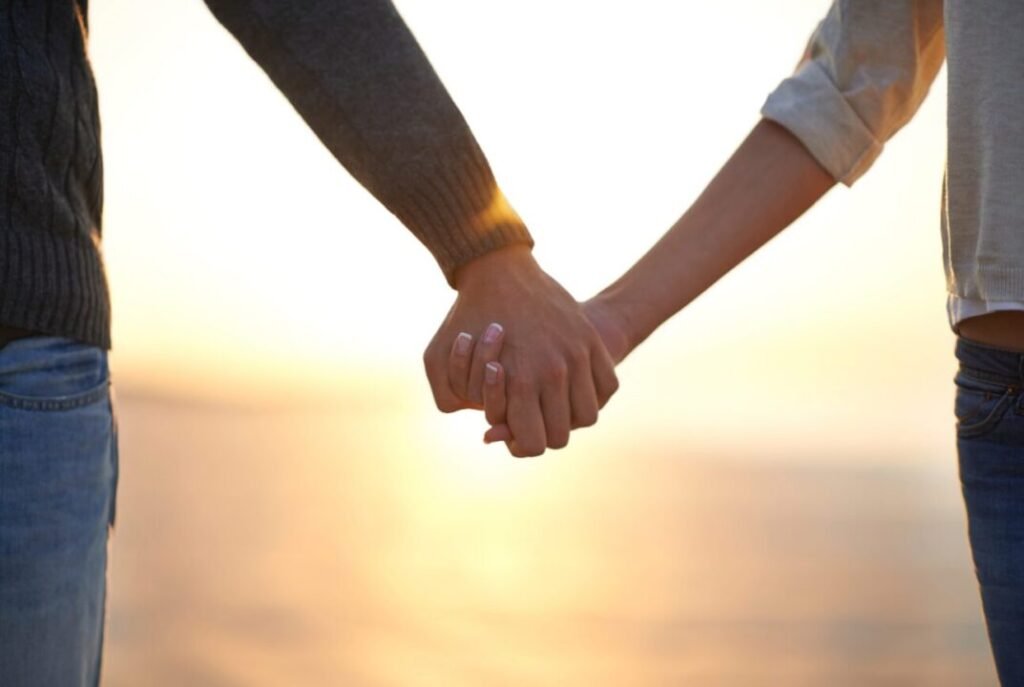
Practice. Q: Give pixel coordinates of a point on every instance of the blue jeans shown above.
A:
(58, 477)
(990, 442)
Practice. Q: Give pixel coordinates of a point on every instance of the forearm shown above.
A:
(356, 74)
(768, 182)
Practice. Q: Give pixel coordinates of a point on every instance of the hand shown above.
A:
(611, 325)
(557, 372)
(602, 314)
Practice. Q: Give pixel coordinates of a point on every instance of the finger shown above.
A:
(583, 397)
(494, 394)
(437, 375)
(487, 349)
(459, 358)
(606, 383)
(497, 433)
(525, 420)
(554, 401)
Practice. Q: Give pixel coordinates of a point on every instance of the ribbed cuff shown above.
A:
(54, 284)
(459, 213)
(810, 106)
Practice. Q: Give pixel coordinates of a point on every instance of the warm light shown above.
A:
(497, 213)
(295, 510)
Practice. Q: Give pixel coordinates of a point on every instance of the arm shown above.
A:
(866, 70)
(769, 181)
(357, 76)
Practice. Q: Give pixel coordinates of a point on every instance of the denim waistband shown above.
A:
(990, 363)
(52, 367)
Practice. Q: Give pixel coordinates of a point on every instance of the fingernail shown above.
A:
(491, 373)
(462, 343)
(494, 330)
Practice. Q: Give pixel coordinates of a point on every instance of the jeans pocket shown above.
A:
(980, 405)
(52, 373)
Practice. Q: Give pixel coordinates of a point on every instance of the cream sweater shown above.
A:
(869, 65)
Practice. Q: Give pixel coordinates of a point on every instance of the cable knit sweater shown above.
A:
(352, 70)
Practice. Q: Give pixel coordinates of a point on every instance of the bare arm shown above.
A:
(865, 71)
(768, 182)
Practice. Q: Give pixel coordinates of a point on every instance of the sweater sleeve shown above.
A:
(355, 73)
(867, 69)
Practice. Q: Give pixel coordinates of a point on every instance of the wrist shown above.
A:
(510, 260)
(613, 324)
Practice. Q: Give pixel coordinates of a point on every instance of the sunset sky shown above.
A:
(244, 259)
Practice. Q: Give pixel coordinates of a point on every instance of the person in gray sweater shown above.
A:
(355, 73)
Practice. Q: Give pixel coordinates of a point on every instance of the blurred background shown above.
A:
(770, 499)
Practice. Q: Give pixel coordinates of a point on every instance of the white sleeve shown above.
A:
(867, 68)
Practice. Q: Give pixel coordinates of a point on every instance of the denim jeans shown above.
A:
(58, 477)
(990, 442)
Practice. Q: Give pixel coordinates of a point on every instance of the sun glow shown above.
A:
(294, 510)
(242, 256)
(497, 213)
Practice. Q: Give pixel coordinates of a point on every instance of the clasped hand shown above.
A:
(536, 366)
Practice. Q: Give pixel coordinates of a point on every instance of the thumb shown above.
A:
(497, 433)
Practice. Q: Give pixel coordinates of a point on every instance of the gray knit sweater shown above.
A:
(351, 69)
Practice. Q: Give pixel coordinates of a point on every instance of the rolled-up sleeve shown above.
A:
(867, 69)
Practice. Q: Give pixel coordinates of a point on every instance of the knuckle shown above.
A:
(612, 385)
(559, 441)
(446, 408)
(579, 357)
(431, 349)
(555, 373)
(518, 384)
(587, 418)
(429, 363)
(528, 449)
(446, 405)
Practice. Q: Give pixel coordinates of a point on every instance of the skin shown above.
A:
(1000, 329)
(556, 371)
(764, 187)
(768, 183)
